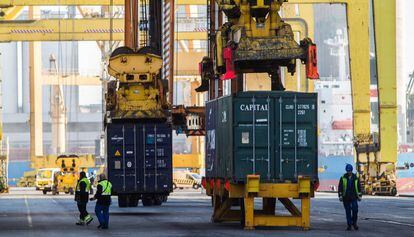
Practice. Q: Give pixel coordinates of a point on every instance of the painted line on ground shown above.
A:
(389, 222)
(29, 217)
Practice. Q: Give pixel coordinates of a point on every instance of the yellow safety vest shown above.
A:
(345, 185)
(106, 187)
(88, 184)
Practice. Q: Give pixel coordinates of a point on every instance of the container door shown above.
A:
(297, 136)
(115, 156)
(157, 158)
(307, 144)
(254, 137)
(211, 139)
(130, 158)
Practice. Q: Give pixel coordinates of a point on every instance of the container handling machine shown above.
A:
(139, 139)
(258, 144)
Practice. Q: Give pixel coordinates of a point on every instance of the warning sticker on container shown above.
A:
(245, 138)
(117, 153)
(129, 164)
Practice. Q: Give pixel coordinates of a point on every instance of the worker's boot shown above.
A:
(349, 228)
(88, 219)
(356, 226)
(80, 222)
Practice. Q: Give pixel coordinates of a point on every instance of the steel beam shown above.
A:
(72, 80)
(8, 3)
(61, 30)
(36, 123)
(386, 45)
(87, 29)
(358, 25)
(12, 13)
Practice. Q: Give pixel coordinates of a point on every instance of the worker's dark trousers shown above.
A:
(351, 210)
(102, 212)
(82, 210)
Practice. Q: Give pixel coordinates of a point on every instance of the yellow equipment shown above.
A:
(4, 160)
(65, 181)
(28, 179)
(45, 179)
(255, 39)
(373, 153)
(138, 92)
(51, 161)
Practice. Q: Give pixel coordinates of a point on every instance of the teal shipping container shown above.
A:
(268, 133)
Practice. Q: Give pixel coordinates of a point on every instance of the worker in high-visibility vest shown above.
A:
(349, 191)
(81, 197)
(103, 197)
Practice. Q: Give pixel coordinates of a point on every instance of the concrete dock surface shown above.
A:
(26, 212)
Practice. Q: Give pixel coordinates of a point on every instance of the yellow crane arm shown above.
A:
(8, 3)
(385, 40)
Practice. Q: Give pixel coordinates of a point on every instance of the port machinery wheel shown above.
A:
(147, 201)
(133, 201)
(196, 186)
(158, 200)
(44, 192)
(394, 191)
(122, 200)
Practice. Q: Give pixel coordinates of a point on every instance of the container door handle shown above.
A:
(123, 154)
(254, 135)
(280, 140)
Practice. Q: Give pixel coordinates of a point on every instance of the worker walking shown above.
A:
(349, 191)
(103, 197)
(82, 197)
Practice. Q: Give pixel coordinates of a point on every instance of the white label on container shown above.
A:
(129, 164)
(117, 165)
(211, 139)
(245, 138)
(302, 138)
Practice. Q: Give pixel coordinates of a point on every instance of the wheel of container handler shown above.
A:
(157, 200)
(394, 191)
(196, 186)
(44, 192)
(122, 201)
(147, 201)
(133, 201)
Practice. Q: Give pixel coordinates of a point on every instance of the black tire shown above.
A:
(133, 201)
(394, 191)
(122, 201)
(44, 192)
(157, 200)
(196, 186)
(147, 201)
(71, 191)
(174, 186)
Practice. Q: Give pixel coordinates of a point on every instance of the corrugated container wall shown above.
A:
(139, 157)
(272, 134)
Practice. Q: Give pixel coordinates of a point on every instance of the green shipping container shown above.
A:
(272, 134)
